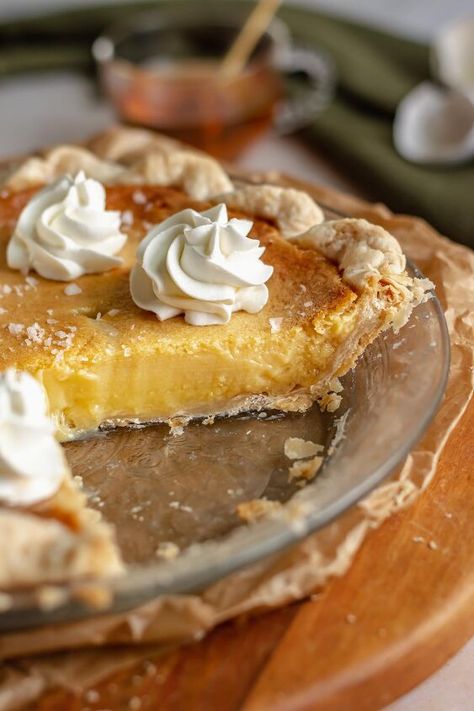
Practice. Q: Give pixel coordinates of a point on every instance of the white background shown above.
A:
(49, 108)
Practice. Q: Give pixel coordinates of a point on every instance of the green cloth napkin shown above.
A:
(375, 71)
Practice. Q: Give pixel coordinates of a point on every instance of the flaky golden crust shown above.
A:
(125, 156)
(56, 541)
(363, 251)
(293, 211)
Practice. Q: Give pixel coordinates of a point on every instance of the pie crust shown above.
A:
(58, 540)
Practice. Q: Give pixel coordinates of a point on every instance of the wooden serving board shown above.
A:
(405, 606)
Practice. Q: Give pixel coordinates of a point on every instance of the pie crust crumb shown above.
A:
(51, 596)
(330, 402)
(6, 601)
(94, 595)
(167, 550)
(256, 509)
(297, 448)
(305, 470)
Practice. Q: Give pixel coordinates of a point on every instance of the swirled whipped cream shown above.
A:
(202, 265)
(32, 463)
(65, 231)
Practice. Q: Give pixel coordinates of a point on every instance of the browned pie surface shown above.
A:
(304, 283)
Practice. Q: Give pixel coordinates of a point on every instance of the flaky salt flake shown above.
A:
(139, 198)
(113, 312)
(178, 506)
(275, 323)
(351, 619)
(35, 333)
(297, 448)
(16, 328)
(72, 290)
(31, 281)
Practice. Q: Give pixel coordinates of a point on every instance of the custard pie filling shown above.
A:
(102, 359)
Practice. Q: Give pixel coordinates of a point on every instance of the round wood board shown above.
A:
(405, 606)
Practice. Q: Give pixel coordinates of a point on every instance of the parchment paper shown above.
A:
(307, 566)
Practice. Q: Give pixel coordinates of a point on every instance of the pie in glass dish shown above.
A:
(139, 283)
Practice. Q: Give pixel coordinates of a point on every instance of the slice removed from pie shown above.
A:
(104, 362)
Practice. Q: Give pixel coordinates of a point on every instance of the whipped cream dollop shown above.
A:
(66, 231)
(32, 463)
(202, 265)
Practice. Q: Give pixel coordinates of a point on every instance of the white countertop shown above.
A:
(50, 108)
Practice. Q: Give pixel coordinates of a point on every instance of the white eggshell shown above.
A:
(453, 56)
(434, 125)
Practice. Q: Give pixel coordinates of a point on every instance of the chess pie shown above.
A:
(106, 359)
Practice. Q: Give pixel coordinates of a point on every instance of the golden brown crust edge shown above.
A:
(123, 155)
(56, 541)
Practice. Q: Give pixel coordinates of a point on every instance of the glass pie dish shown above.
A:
(179, 490)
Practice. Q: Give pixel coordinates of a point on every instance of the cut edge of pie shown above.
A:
(62, 539)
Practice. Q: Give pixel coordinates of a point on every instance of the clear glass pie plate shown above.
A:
(158, 487)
